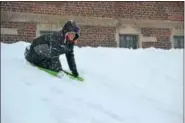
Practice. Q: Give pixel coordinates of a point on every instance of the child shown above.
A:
(46, 49)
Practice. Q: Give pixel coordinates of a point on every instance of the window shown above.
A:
(128, 41)
(178, 41)
(46, 32)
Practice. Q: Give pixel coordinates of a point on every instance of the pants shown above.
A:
(40, 61)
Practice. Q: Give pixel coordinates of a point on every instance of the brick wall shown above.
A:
(97, 36)
(173, 11)
(26, 31)
(162, 35)
(163, 45)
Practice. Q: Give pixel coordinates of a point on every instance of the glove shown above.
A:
(75, 73)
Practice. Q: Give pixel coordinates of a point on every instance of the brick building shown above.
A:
(110, 24)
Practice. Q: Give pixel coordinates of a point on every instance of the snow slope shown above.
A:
(122, 86)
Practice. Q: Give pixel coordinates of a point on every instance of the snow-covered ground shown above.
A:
(121, 86)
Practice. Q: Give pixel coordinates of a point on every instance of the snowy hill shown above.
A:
(121, 86)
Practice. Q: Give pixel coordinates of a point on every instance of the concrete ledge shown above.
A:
(91, 21)
(56, 19)
(148, 39)
(10, 31)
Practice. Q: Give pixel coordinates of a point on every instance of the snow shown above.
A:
(121, 86)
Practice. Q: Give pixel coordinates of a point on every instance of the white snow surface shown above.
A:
(121, 86)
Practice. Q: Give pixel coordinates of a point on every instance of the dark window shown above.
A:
(178, 41)
(46, 32)
(128, 41)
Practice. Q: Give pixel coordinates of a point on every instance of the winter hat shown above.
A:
(71, 26)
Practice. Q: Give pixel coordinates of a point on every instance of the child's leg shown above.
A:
(55, 64)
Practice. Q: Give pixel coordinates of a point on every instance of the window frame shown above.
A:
(136, 38)
(177, 38)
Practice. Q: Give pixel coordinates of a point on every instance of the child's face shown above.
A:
(71, 35)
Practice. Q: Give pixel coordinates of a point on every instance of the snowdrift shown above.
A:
(121, 86)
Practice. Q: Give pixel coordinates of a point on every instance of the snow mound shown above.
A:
(121, 86)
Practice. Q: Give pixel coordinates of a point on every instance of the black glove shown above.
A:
(75, 73)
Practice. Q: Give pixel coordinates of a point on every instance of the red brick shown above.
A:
(94, 35)
(163, 45)
(97, 36)
(26, 31)
(162, 35)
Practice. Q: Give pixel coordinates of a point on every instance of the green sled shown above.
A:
(53, 73)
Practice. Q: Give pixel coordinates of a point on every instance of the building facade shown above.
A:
(107, 24)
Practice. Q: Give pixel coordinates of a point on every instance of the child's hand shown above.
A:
(75, 74)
